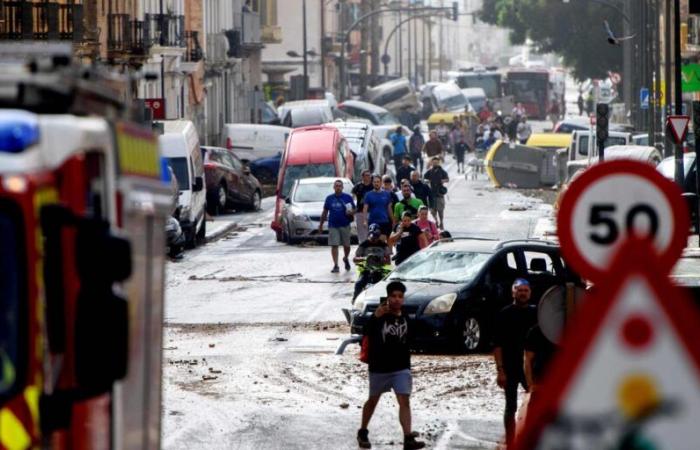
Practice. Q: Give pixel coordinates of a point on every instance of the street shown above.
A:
(252, 326)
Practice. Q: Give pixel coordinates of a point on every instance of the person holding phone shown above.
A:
(389, 364)
(408, 238)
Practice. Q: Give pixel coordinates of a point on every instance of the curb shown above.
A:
(219, 233)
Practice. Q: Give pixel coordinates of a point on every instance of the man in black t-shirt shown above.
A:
(437, 177)
(389, 364)
(404, 171)
(512, 324)
(359, 191)
(539, 351)
(408, 238)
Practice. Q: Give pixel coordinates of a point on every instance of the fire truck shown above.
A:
(83, 203)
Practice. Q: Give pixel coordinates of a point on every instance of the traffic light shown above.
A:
(455, 11)
(601, 122)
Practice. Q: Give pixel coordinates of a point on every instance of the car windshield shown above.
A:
(300, 171)
(11, 301)
(387, 118)
(454, 102)
(477, 102)
(312, 192)
(441, 266)
(611, 140)
(179, 166)
(489, 83)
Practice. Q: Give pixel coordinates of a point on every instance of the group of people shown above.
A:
(398, 218)
(521, 352)
(511, 128)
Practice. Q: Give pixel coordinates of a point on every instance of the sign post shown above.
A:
(678, 126)
(627, 372)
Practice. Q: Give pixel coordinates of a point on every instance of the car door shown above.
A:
(246, 185)
(233, 176)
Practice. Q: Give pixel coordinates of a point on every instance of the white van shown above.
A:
(251, 142)
(179, 143)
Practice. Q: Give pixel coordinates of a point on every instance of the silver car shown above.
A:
(303, 208)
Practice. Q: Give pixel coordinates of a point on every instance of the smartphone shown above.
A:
(382, 300)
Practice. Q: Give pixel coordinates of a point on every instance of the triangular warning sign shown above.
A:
(628, 370)
(679, 126)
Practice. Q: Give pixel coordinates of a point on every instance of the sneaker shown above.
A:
(335, 269)
(410, 442)
(347, 263)
(363, 438)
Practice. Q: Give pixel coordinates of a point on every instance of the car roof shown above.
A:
(371, 107)
(320, 180)
(488, 245)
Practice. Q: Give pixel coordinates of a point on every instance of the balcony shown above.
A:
(271, 34)
(194, 48)
(125, 36)
(23, 20)
(165, 30)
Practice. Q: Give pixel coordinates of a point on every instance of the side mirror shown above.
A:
(288, 200)
(198, 184)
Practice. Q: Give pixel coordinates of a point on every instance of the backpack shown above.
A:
(364, 350)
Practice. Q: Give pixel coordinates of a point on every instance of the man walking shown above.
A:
(437, 177)
(420, 189)
(398, 140)
(339, 209)
(407, 237)
(512, 324)
(359, 190)
(433, 147)
(377, 206)
(389, 364)
(404, 171)
(415, 147)
(408, 203)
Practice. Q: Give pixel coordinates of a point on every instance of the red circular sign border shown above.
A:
(673, 194)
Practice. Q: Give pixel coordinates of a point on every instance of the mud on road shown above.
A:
(253, 382)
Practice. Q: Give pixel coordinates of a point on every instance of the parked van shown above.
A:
(179, 143)
(251, 142)
(317, 151)
(583, 143)
(448, 97)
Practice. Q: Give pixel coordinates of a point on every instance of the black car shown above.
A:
(456, 287)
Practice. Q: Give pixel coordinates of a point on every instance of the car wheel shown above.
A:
(290, 240)
(472, 336)
(221, 198)
(256, 204)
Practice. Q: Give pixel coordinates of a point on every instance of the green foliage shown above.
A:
(572, 30)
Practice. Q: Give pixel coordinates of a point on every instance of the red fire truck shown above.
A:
(82, 212)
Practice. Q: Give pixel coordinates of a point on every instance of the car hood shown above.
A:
(313, 208)
(417, 293)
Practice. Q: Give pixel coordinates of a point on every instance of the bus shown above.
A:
(531, 88)
(491, 81)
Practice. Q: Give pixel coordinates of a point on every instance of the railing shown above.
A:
(125, 35)
(166, 30)
(20, 20)
(194, 48)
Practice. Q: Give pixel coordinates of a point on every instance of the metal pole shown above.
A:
(430, 51)
(678, 86)
(441, 55)
(323, 47)
(399, 54)
(306, 57)
(657, 68)
(667, 72)
(409, 61)
(415, 49)
(696, 126)
(424, 54)
(651, 18)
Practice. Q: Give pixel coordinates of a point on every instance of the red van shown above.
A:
(315, 151)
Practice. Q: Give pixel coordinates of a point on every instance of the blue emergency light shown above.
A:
(18, 130)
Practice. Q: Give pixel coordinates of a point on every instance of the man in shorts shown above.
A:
(389, 364)
(339, 209)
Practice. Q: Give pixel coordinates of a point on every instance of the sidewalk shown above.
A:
(219, 226)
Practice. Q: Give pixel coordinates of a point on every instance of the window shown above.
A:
(340, 155)
(179, 166)
(612, 140)
(12, 298)
(539, 263)
(511, 261)
(235, 162)
(297, 172)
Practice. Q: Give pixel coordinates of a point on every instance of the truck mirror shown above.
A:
(198, 184)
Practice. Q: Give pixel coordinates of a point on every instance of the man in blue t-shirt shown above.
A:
(339, 208)
(377, 203)
(398, 140)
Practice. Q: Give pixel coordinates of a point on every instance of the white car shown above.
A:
(303, 208)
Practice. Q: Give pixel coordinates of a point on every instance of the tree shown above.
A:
(572, 30)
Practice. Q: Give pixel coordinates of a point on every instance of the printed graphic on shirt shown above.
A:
(396, 330)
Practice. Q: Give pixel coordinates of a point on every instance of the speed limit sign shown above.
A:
(612, 201)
